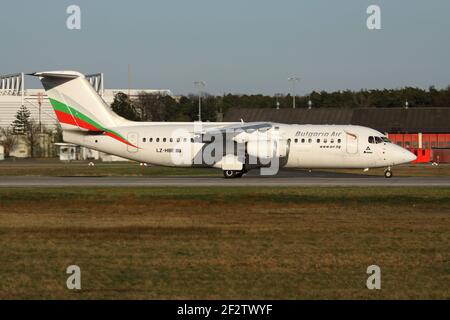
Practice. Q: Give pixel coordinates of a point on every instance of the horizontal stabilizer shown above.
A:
(58, 74)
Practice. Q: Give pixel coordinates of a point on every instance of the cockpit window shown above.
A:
(378, 139)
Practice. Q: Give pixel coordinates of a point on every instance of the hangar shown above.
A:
(14, 94)
(424, 131)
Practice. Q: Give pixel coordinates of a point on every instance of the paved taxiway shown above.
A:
(323, 179)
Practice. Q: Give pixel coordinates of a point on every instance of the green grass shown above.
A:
(52, 167)
(81, 168)
(225, 243)
(408, 170)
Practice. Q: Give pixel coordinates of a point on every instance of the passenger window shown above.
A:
(295, 140)
(192, 140)
(370, 139)
(303, 140)
(332, 141)
(184, 140)
(144, 139)
(309, 140)
(339, 140)
(178, 139)
(318, 140)
(157, 139)
(325, 140)
(151, 140)
(164, 139)
(171, 140)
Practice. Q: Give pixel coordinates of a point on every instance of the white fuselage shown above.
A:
(308, 146)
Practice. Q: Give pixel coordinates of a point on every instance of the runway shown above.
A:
(255, 181)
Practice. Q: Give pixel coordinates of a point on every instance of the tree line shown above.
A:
(151, 107)
(156, 107)
(29, 131)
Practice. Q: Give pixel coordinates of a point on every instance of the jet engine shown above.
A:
(267, 149)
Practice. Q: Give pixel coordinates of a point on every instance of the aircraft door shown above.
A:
(133, 138)
(352, 143)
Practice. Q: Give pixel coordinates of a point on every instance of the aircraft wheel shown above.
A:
(230, 174)
(388, 174)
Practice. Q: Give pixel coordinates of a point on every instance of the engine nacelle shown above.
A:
(282, 148)
(261, 149)
(267, 149)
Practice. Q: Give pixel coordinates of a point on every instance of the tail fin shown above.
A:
(75, 102)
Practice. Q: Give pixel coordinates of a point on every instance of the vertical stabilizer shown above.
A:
(75, 102)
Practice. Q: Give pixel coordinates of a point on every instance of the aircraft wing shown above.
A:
(247, 127)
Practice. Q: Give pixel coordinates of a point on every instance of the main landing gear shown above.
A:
(388, 173)
(231, 174)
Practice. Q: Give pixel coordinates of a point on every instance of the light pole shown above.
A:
(293, 80)
(199, 85)
(129, 79)
(40, 107)
(277, 95)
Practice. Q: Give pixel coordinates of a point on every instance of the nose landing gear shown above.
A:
(388, 173)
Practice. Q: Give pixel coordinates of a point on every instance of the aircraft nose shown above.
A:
(403, 155)
(407, 156)
(410, 156)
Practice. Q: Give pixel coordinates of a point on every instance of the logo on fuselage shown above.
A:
(317, 134)
(368, 150)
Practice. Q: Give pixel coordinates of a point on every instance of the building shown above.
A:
(424, 131)
(14, 94)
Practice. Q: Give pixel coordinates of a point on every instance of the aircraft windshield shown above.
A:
(376, 140)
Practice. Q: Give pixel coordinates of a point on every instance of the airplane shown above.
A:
(233, 147)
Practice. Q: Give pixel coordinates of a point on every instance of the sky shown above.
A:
(238, 46)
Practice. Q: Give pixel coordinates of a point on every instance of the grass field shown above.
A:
(81, 168)
(409, 170)
(51, 167)
(225, 243)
